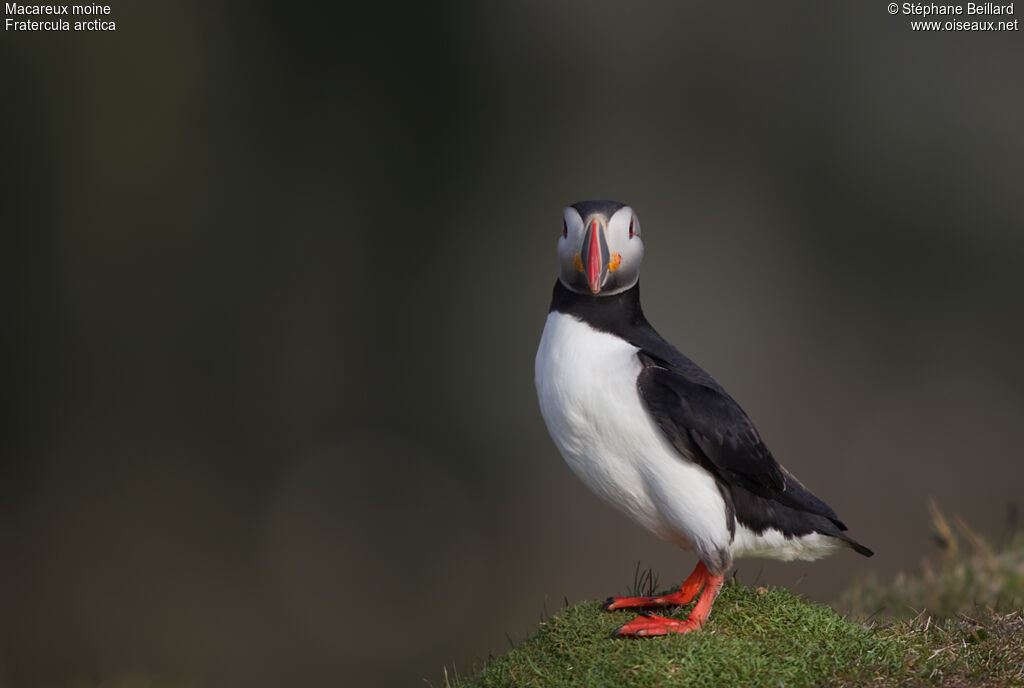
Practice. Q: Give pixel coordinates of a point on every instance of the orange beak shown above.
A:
(595, 256)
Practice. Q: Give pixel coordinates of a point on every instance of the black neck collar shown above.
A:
(617, 314)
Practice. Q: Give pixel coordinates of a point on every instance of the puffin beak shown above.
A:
(595, 256)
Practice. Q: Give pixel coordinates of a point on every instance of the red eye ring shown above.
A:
(631, 228)
(565, 229)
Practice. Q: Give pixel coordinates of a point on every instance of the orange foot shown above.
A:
(691, 586)
(674, 598)
(651, 625)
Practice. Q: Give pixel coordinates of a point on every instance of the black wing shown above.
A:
(706, 425)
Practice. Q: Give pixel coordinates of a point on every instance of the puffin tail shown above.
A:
(854, 545)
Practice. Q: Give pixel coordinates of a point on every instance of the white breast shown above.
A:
(587, 385)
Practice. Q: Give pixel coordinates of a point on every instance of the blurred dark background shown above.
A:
(275, 276)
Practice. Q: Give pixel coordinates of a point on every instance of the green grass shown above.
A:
(759, 637)
(955, 623)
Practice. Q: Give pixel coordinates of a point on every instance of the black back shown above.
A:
(705, 424)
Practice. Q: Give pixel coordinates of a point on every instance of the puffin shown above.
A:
(654, 435)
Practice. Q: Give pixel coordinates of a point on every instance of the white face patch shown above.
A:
(569, 246)
(623, 236)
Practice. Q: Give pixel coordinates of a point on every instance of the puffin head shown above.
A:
(600, 248)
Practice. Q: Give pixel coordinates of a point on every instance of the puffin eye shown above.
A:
(565, 229)
(630, 228)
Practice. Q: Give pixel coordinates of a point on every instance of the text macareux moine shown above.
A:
(83, 11)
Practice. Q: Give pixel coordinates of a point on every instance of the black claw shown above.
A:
(608, 603)
(615, 633)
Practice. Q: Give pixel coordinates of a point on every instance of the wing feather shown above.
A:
(706, 425)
